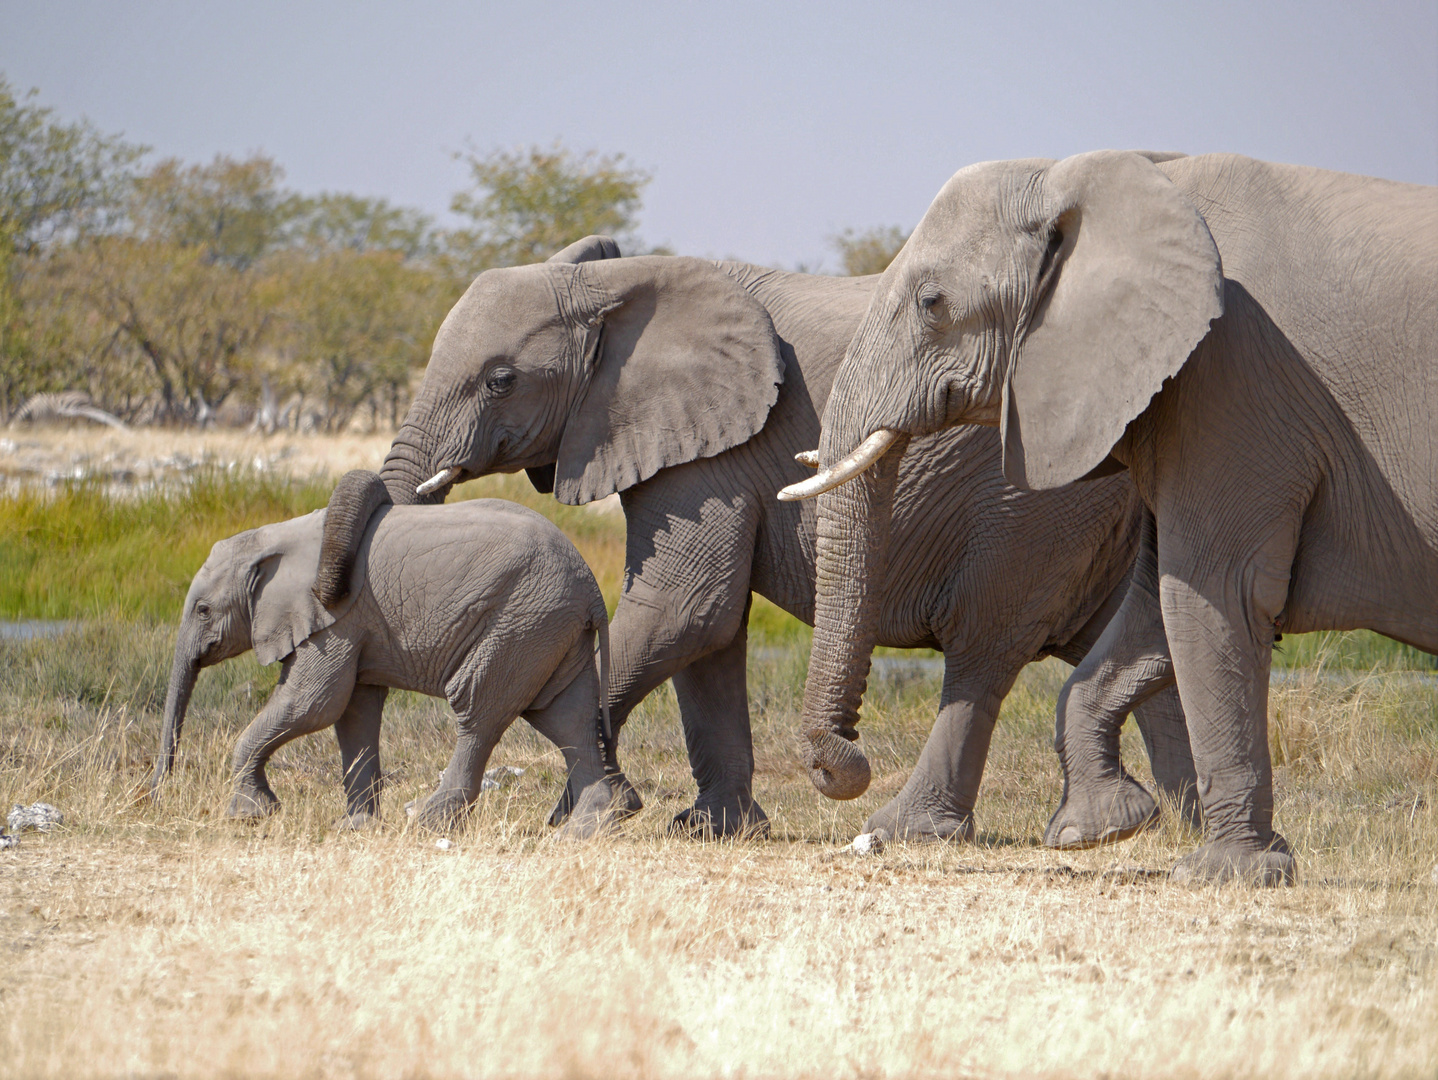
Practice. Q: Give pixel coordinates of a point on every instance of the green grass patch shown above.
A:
(75, 552)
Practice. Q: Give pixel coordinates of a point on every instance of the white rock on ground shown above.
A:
(867, 844)
(39, 816)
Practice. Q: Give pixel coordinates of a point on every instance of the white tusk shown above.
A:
(808, 457)
(439, 479)
(868, 452)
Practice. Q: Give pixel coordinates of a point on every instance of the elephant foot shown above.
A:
(252, 804)
(715, 816)
(896, 821)
(1095, 814)
(357, 821)
(1248, 862)
(626, 802)
(441, 812)
(597, 811)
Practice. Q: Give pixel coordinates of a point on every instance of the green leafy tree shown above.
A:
(233, 211)
(870, 251)
(335, 221)
(526, 205)
(57, 181)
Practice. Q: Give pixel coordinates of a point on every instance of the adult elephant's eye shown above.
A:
(500, 382)
(203, 611)
(932, 306)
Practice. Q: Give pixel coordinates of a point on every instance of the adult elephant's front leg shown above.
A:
(714, 708)
(1220, 627)
(937, 801)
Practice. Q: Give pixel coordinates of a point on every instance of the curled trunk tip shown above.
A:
(837, 767)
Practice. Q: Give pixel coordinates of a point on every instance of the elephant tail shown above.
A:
(602, 630)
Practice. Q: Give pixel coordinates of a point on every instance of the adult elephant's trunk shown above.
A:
(408, 466)
(852, 542)
(183, 672)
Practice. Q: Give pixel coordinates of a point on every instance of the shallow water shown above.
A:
(33, 629)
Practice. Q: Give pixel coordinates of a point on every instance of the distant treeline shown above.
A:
(189, 294)
(175, 293)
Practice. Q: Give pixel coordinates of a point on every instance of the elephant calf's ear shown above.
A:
(354, 500)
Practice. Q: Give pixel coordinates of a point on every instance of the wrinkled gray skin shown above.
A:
(689, 386)
(1256, 344)
(483, 603)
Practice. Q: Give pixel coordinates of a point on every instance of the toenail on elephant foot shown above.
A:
(915, 825)
(712, 819)
(1249, 863)
(252, 805)
(1090, 817)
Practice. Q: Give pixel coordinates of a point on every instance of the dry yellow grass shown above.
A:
(165, 940)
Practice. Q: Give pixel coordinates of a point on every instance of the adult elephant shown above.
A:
(1255, 343)
(688, 386)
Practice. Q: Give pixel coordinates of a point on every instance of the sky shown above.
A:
(768, 128)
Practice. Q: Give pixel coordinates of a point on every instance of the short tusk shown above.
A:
(868, 452)
(808, 457)
(438, 480)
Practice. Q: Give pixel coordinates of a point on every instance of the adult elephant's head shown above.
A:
(590, 371)
(1051, 299)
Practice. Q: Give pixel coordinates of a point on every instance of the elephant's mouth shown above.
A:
(845, 469)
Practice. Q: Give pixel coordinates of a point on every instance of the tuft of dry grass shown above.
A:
(165, 940)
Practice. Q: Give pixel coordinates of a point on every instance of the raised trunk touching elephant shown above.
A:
(688, 386)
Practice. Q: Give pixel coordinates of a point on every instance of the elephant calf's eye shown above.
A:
(500, 382)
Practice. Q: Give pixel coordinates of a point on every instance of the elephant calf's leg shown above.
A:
(308, 699)
(713, 700)
(570, 721)
(357, 731)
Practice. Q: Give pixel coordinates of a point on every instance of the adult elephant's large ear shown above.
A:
(1129, 287)
(280, 567)
(685, 364)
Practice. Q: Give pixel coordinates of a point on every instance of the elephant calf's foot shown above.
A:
(1101, 813)
(714, 816)
(897, 821)
(252, 804)
(1251, 863)
(626, 802)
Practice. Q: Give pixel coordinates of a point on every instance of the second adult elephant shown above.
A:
(688, 386)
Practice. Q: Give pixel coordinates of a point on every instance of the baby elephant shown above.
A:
(484, 603)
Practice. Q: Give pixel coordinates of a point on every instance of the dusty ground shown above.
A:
(165, 941)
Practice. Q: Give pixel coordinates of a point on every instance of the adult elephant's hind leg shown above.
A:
(1102, 803)
(713, 700)
(1219, 609)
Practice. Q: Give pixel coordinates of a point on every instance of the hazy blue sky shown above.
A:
(768, 127)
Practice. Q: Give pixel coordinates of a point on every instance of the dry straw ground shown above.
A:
(163, 940)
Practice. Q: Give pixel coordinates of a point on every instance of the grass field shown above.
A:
(163, 940)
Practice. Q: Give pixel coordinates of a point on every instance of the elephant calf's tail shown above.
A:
(356, 497)
(601, 630)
